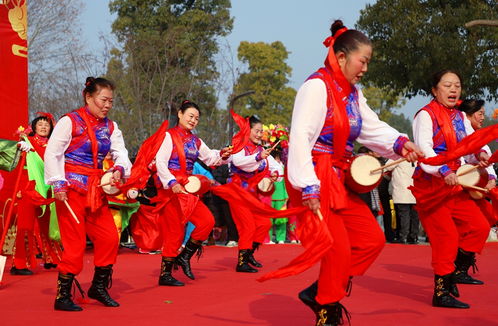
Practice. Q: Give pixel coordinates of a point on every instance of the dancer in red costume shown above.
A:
(248, 167)
(456, 227)
(73, 165)
(330, 113)
(179, 149)
(32, 217)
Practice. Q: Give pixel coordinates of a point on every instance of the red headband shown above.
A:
(47, 115)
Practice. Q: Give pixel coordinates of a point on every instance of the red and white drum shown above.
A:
(475, 177)
(109, 189)
(266, 186)
(359, 178)
(197, 184)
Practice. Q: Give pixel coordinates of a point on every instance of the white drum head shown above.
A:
(361, 167)
(265, 185)
(132, 193)
(108, 189)
(469, 179)
(193, 185)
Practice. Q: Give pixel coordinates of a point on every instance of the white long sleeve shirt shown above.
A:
(209, 156)
(59, 142)
(423, 134)
(308, 118)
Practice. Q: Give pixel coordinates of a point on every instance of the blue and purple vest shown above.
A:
(191, 145)
(79, 152)
(249, 149)
(324, 143)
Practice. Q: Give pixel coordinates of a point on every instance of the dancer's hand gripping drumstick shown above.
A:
(179, 189)
(62, 196)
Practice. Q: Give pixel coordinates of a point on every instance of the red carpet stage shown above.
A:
(397, 290)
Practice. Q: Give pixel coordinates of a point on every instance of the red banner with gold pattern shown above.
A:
(13, 78)
(13, 66)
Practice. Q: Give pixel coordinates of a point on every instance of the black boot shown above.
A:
(102, 281)
(307, 296)
(442, 296)
(242, 263)
(183, 259)
(463, 262)
(453, 286)
(331, 314)
(166, 277)
(251, 260)
(63, 299)
(20, 271)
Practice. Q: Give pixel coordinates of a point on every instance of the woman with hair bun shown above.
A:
(247, 168)
(456, 227)
(178, 150)
(73, 166)
(330, 113)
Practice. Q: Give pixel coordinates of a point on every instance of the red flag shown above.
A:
(147, 152)
(241, 138)
(470, 144)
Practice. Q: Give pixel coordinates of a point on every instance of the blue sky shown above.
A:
(300, 25)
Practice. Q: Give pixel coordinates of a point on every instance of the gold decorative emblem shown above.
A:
(18, 18)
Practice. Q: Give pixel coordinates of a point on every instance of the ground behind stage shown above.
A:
(396, 291)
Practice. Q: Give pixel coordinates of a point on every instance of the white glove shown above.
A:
(24, 146)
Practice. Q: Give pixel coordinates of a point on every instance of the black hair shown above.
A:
(187, 105)
(33, 125)
(436, 78)
(253, 119)
(93, 85)
(471, 106)
(348, 41)
(364, 150)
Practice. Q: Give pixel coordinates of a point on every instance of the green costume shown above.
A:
(278, 201)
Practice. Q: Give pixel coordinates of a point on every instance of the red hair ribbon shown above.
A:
(328, 41)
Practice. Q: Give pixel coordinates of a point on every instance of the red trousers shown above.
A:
(251, 228)
(455, 223)
(358, 240)
(30, 224)
(99, 227)
(172, 225)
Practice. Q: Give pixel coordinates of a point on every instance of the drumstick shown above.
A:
(388, 165)
(274, 146)
(464, 172)
(474, 187)
(319, 213)
(71, 211)
(105, 184)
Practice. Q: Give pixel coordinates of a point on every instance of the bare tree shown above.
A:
(57, 60)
